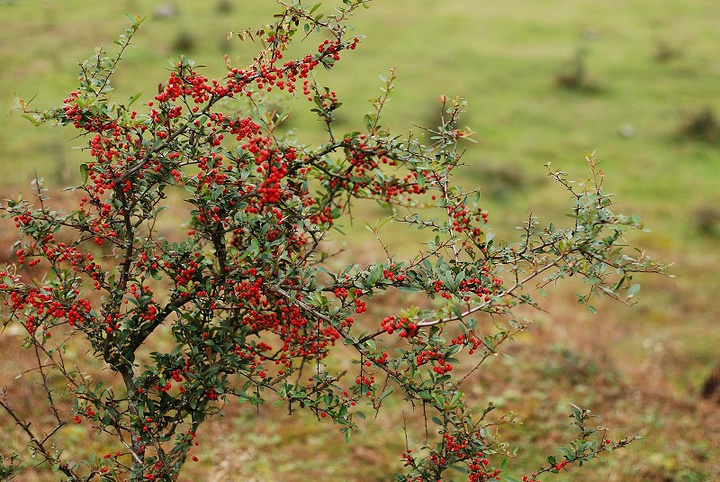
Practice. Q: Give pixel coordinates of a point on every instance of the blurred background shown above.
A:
(636, 81)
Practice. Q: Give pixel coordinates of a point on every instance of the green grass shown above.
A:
(505, 59)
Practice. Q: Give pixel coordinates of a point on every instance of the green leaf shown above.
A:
(386, 393)
(633, 290)
(84, 172)
(134, 98)
(32, 119)
(460, 469)
(135, 20)
(409, 289)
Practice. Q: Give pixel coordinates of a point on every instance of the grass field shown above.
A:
(546, 82)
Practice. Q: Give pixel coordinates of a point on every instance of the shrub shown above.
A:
(702, 126)
(224, 6)
(252, 306)
(666, 52)
(574, 75)
(184, 42)
(707, 218)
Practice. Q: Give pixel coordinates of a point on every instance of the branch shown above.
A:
(39, 445)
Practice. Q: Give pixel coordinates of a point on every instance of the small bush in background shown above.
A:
(701, 125)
